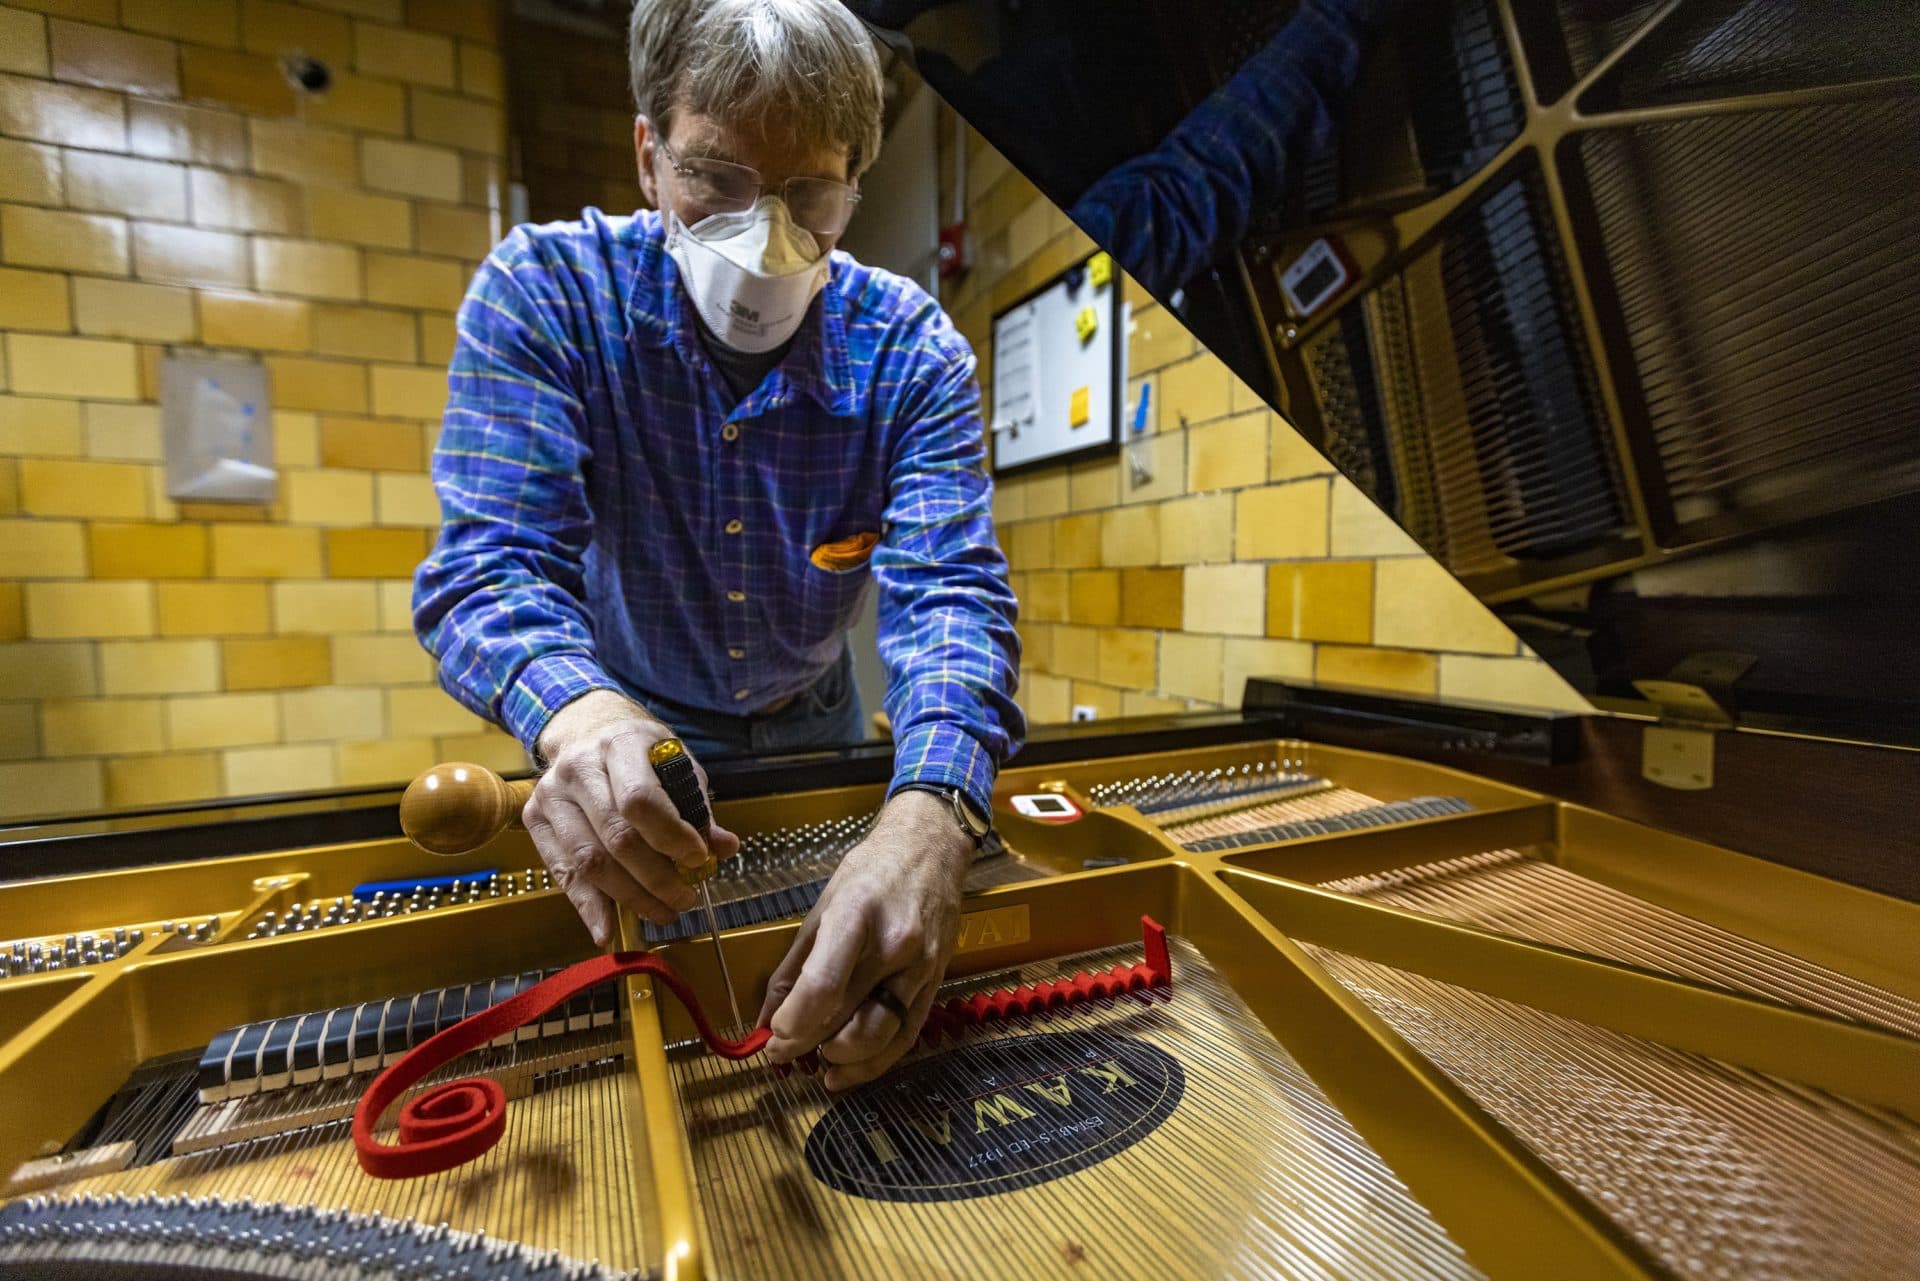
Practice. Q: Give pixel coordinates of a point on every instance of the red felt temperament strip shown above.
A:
(453, 1123)
(456, 1122)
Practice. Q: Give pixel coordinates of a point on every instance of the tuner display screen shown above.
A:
(1321, 277)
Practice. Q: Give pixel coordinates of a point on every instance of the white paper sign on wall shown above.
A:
(218, 427)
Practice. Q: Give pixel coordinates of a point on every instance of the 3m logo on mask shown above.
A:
(991, 1117)
(751, 275)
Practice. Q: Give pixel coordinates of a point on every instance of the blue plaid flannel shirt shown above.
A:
(610, 523)
(1168, 214)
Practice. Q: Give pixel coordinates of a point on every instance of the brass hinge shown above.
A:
(1695, 702)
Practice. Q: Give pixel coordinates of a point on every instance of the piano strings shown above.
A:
(1252, 1170)
(1260, 801)
(559, 1179)
(1721, 1172)
(1533, 898)
(1339, 810)
(780, 874)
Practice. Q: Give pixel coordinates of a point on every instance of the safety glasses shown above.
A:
(819, 205)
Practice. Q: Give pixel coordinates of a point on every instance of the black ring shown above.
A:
(885, 996)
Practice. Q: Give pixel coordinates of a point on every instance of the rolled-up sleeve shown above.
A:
(499, 602)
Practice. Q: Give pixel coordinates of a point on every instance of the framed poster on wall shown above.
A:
(1059, 370)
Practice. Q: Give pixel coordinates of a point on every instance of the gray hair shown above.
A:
(799, 69)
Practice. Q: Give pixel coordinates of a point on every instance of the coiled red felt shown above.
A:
(452, 1110)
(454, 1123)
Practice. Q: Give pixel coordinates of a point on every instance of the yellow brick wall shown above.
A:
(1244, 555)
(161, 186)
(573, 119)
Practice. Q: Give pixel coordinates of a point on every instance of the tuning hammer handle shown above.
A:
(674, 768)
(457, 807)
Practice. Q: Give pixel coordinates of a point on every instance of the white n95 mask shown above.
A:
(751, 275)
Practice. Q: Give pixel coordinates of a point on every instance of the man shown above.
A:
(677, 448)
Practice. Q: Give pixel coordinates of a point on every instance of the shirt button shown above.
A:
(736, 653)
(739, 694)
(736, 597)
(730, 432)
(734, 527)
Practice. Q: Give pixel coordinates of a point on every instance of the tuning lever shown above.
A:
(674, 768)
(457, 807)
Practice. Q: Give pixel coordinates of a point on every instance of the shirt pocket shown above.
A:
(834, 577)
(845, 555)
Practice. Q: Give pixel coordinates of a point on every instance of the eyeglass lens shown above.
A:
(820, 205)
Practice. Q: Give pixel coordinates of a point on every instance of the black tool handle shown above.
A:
(674, 768)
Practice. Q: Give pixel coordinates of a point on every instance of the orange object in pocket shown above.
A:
(843, 554)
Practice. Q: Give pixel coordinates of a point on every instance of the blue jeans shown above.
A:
(825, 714)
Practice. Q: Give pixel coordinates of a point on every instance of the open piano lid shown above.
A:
(1630, 335)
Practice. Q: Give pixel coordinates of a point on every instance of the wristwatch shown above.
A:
(975, 824)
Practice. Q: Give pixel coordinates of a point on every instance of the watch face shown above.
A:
(969, 817)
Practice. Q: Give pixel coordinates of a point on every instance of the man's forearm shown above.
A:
(922, 823)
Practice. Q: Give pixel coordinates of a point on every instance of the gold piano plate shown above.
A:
(1511, 1039)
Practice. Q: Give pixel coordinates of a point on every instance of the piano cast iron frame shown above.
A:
(82, 1032)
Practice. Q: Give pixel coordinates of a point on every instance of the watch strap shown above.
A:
(970, 820)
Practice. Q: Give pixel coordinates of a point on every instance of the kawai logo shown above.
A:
(995, 1115)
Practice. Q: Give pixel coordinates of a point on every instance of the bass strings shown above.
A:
(1719, 1171)
(569, 1136)
(1537, 899)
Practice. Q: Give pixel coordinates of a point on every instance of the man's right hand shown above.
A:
(603, 823)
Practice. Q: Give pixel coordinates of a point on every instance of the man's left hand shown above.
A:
(888, 918)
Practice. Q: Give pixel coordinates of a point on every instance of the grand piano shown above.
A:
(1620, 326)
